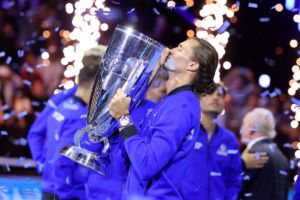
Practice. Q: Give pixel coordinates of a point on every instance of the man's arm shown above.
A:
(149, 156)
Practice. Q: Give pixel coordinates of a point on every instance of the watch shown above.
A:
(124, 121)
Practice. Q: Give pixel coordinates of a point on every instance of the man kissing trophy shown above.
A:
(128, 63)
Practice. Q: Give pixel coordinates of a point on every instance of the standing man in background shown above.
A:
(215, 168)
(271, 181)
(62, 177)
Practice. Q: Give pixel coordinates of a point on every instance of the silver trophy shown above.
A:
(128, 64)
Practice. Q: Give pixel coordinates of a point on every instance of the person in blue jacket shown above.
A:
(215, 168)
(115, 178)
(37, 132)
(159, 152)
(61, 177)
(297, 188)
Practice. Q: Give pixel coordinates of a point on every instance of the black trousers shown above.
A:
(49, 196)
(52, 196)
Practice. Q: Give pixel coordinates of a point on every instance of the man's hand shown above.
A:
(119, 105)
(254, 160)
(162, 60)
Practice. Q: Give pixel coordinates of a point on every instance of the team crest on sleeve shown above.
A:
(222, 150)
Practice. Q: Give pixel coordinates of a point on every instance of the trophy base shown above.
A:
(85, 158)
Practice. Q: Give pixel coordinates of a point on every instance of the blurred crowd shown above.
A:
(27, 80)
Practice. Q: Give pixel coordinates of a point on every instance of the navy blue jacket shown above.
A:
(215, 168)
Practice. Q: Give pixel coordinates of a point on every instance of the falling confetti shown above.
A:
(8, 60)
(282, 172)
(7, 168)
(252, 5)
(20, 53)
(4, 132)
(27, 82)
(264, 19)
(156, 11)
(22, 114)
(265, 93)
(273, 94)
(115, 2)
(130, 11)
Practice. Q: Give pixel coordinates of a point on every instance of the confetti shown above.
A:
(282, 172)
(27, 82)
(5, 107)
(4, 133)
(22, 114)
(115, 2)
(278, 91)
(7, 168)
(248, 194)
(265, 93)
(56, 29)
(40, 65)
(20, 53)
(295, 101)
(41, 38)
(29, 69)
(130, 11)
(252, 5)
(156, 11)
(2, 54)
(273, 94)
(287, 145)
(257, 156)
(224, 27)
(29, 42)
(8, 60)
(264, 19)
(7, 116)
(35, 103)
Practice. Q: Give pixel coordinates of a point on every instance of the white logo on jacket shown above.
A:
(198, 145)
(222, 151)
(59, 117)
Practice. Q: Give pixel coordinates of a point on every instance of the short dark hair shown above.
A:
(87, 74)
(207, 57)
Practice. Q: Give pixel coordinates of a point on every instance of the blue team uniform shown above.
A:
(37, 133)
(215, 168)
(159, 152)
(110, 186)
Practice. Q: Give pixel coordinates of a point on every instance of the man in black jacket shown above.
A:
(271, 181)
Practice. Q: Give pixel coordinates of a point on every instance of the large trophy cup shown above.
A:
(128, 64)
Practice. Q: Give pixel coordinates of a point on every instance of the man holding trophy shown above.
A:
(159, 152)
(156, 143)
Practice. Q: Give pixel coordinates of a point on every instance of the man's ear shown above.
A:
(193, 66)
